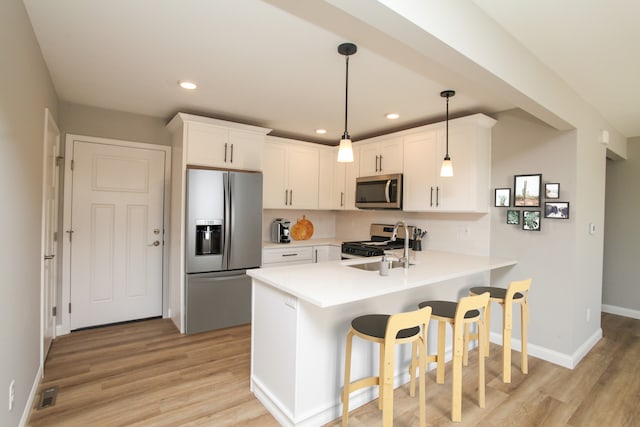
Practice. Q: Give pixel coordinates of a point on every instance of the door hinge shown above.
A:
(59, 160)
(55, 236)
(70, 234)
(69, 308)
(54, 311)
(72, 164)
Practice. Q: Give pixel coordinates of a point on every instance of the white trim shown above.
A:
(32, 397)
(65, 323)
(621, 311)
(569, 361)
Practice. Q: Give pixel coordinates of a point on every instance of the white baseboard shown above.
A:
(32, 397)
(569, 361)
(621, 311)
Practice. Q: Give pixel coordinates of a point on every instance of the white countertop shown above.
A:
(302, 243)
(332, 283)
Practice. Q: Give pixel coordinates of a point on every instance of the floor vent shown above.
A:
(48, 398)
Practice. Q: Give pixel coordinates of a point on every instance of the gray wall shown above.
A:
(523, 145)
(621, 288)
(25, 91)
(93, 121)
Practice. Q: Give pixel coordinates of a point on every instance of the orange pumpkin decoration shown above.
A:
(303, 229)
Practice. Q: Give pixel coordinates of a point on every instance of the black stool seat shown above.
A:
(446, 309)
(375, 325)
(495, 293)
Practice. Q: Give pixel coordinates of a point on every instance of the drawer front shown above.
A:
(281, 255)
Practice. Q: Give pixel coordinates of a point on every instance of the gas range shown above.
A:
(380, 241)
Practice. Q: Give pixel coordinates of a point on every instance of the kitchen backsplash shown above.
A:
(324, 222)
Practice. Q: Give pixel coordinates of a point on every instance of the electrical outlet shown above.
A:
(12, 394)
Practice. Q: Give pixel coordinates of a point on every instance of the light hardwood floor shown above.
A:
(147, 374)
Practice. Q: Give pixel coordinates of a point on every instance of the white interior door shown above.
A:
(51, 181)
(116, 233)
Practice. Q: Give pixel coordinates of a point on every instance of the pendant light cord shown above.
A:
(447, 140)
(346, 97)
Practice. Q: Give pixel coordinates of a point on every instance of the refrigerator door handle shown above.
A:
(226, 244)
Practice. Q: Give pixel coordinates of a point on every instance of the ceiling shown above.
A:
(265, 63)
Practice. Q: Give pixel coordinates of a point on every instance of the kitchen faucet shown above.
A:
(405, 258)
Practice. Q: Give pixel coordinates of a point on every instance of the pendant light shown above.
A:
(447, 166)
(345, 151)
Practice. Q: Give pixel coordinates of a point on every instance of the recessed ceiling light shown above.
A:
(392, 116)
(187, 85)
(321, 131)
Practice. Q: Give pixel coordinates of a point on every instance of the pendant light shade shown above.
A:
(345, 150)
(447, 165)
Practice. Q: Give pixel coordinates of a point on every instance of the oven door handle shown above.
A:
(387, 189)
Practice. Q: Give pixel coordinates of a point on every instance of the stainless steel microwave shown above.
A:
(379, 192)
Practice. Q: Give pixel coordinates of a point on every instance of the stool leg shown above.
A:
(456, 398)
(381, 377)
(506, 344)
(347, 380)
(488, 323)
(386, 381)
(421, 377)
(465, 349)
(482, 334)
(442, 334)
(415, 364)
(524, 320)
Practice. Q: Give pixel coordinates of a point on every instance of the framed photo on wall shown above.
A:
(503, 197)
(513, 216)
(552, 190)
(531, 220)
(526, 190)
(558, 210)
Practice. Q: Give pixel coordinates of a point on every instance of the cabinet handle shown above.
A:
(290, 197)
(286, 197)
(231, 153)
(437, 196)
(341, 198)
(225, 152)
(380, 163)
(289, 254)
(431, 198)
(316, 257)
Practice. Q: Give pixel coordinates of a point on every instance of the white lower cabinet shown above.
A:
(277, 257)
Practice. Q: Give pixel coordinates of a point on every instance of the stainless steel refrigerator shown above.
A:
(223, 240)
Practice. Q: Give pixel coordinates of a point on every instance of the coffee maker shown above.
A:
(280, 230)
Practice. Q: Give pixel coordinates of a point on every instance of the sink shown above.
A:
(375, 266)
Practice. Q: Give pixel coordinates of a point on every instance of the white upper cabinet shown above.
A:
(337, 186)
(216, 143)
(468, 190)
(291, 173)
(381, 156)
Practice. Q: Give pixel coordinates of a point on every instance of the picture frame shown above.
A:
(531, 220)
(526, 190)
(552, 190)
(502, 198)
(513, 216)
(556, 210)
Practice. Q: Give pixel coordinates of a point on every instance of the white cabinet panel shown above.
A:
(381, 157)
(291, 173)
(214, 146)
(272, 257)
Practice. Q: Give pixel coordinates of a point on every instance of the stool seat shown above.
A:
(447, 309)
(375, 325)
(494, 292)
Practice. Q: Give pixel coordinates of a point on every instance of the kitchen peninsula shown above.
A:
(301, 315)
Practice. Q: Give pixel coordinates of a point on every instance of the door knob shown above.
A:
(156, 243)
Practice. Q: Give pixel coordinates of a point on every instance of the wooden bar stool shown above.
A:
(518, 293)
(386, 330)
(471, 309)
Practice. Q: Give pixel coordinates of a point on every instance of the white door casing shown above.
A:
(114, 215)
(50, 199)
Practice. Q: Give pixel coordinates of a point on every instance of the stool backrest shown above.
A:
(465, 304)
(406, 320)
(521, 286)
